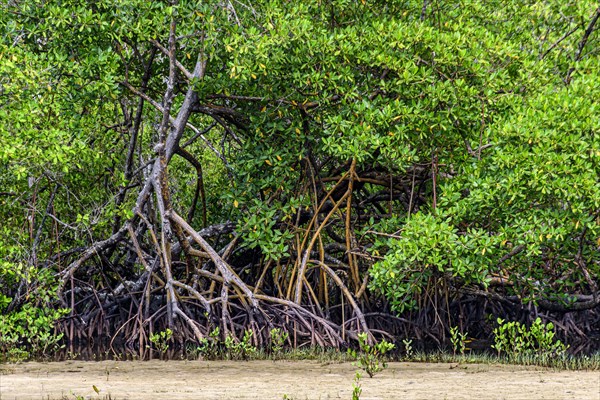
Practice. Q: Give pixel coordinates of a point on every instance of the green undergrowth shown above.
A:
(565, 362)
(320, 354)
(331, 355)
(244, 351)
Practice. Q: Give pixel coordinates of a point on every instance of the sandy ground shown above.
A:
(287, 380)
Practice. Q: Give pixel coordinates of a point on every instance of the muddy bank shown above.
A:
(293, 379)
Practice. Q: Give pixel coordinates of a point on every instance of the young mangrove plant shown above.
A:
(278, 339)
(209, 347)
(408, 349)
(516, 340)
(161, 340)
(458, 340)
(242, 349)
(371, 358)
(356, 388)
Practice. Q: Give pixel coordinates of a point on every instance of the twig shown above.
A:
(582, 43)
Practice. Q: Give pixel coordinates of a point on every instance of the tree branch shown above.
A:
(582, 43)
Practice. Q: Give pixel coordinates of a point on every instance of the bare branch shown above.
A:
(583, 42)
(180, 66)
(563, 37)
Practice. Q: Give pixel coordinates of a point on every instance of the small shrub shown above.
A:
(408, 349)
(278, 339)
(458, 340)
(241, 350)
(371, 358)
(515, 339)
(161, 340)
(356, 388)
(209, 347)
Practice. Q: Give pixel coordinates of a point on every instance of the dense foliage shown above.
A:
(311, 166)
